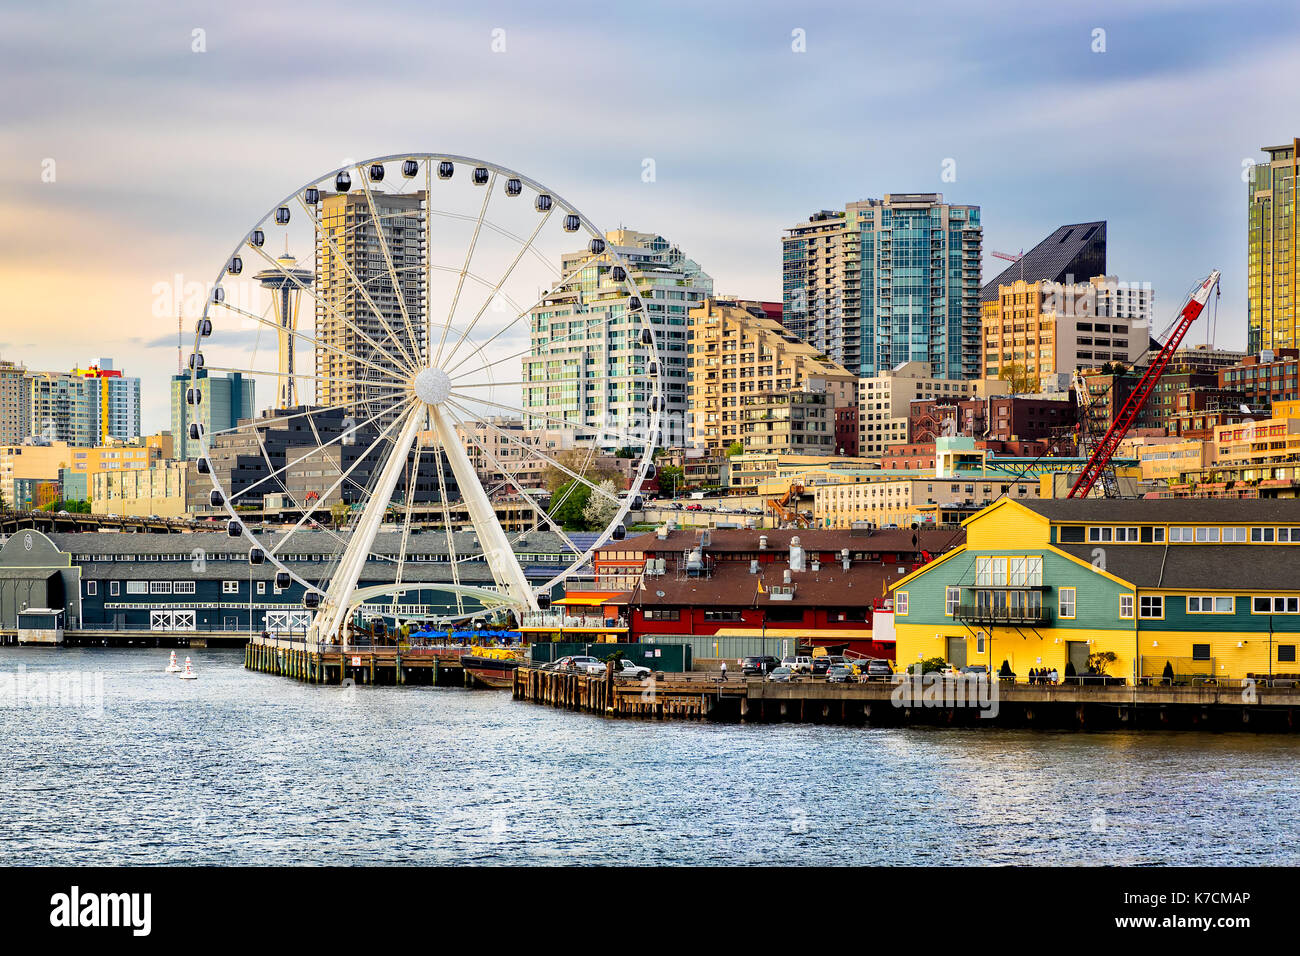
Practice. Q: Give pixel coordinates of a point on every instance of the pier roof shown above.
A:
(1190, 510)
(1210, 567)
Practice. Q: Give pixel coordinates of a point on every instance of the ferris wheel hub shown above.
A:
(432, 386)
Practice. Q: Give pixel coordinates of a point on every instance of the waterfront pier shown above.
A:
(365, 664)
(1206, 707)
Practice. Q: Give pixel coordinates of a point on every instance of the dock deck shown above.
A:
(884, 703)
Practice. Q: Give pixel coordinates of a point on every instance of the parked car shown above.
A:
(695, 506)
(580, 663)
(781, 674)
(878, 669)
(979, 669)
(839, 674)
(758, 666)
(628, 669)
(820, 665)
(799, 664)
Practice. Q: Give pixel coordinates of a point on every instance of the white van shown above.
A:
(799, 665)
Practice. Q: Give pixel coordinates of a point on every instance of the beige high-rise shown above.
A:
(744, 371)
(355, 292)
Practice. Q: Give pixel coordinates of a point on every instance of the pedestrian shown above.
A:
(724, 671)
(1055, 676)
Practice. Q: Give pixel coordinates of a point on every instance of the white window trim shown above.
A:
(1074, 604)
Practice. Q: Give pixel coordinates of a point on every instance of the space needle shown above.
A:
(286, 284)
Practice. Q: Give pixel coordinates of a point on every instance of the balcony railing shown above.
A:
(982, 614)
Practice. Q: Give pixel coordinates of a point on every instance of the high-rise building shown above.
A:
(1272, 280)
(1071, 253)
(119, 401)
(357, 302)
(738, 355)
(65, 407)
(1033, 330)
(888, 281)
(15, 403)
(223, 401)
(586, 365)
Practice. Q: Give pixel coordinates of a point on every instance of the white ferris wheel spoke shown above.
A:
(392, 274)
(521, 313)
(469, 255)
(341, 479)
(325, 302)
(360, 286)
(447, 530)
(588, 327)
(510, 478)
(544, 457)
(301, 335)
(576, 426)
(497, 288)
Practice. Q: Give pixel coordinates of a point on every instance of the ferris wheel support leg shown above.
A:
(334, 610)
(500, 556)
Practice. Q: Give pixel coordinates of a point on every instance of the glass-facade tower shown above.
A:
(886, 282)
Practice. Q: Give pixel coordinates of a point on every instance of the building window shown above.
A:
(229, 587)
(1200, 652)
(183, 587)
(1207, 534)
(160, 587)
(1158, 535)
(1152, 606)
(1205, 604)
(951, 598)
(1182, 534)
(979, 643)
(1262, 535)
(1066, 603)
(137, 587)
(1237, 535)
(900, 604)
(1286, 653)
(91, 587)
(261, 587)
(1275, 605)
(722, 615)
(1126, 606)
(114, 588)
(659, 615)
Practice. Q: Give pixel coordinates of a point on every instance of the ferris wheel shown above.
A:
(435, 342)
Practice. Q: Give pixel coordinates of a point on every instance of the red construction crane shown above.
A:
(1128, 413)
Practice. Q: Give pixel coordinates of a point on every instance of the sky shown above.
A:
(140, 150)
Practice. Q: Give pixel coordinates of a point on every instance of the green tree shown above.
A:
(672, 479)
(735, 448)
(338, 514)
(567, 505)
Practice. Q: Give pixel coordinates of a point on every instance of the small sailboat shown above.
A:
(172, 667)
(188, 673)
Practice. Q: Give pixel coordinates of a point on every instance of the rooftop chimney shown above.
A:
(785, 576)
(796, 555)
(762, 542)
(844, 558)
(753, 565)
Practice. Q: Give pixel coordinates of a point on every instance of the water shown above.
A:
(246, 768)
